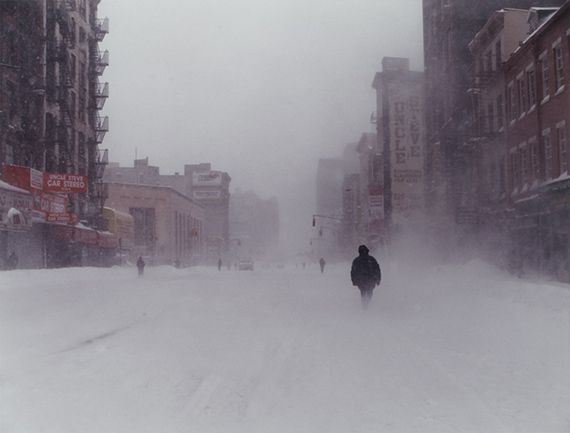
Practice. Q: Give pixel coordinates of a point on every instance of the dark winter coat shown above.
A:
(365, 269)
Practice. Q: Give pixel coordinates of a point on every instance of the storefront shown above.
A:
(16, 234)
(36, 223)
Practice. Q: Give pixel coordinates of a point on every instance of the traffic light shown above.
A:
(314, 221)
(195, 233)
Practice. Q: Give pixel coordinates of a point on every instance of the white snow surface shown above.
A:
(455, 348)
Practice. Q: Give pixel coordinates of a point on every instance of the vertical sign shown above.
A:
(406, 144)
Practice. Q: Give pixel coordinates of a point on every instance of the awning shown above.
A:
(15, 208)
(121, 224)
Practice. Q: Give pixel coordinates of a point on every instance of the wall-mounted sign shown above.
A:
(67, 183)
(208, 178)
(209, 196)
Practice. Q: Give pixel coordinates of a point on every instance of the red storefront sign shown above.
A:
(23, 177)
(52, 206)
(62, 233)
(61, 218)
(85, 236)
(66, 183)
(107, 240)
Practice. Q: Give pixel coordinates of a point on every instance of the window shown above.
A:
(12, 49)
(498, 55)
(500, 108)
(12, 99)
(73, 70)
(559, 63)
(534, 160)
(524, 164)
(81, 109)
(545, 78)
(488, 61)
(530, 77)
(547, 145)
(515, 169)
(512, 103)
(81, 160)
(522, 94)
(82, 74)
(502, 183)
(563, 148)
(72, 106)
(491, 116)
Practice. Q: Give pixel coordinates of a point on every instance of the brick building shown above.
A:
(537, 80)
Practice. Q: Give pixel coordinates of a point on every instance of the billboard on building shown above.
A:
(208, 178)
(406, 151)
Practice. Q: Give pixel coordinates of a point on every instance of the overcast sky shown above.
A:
(261, 89)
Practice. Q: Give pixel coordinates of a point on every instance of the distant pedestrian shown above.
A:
(219, 264)
(12, 261)
(177, 263)
(365, 273)
(140, 266)
(322, 263)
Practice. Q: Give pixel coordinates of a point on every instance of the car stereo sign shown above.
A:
(67, 183)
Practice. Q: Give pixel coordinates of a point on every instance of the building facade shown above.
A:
(401, 144)
(449, 27)
(254, 227)
(50, 102)
(486, 131)
(199, 183)
(168, 226)
(537, 82)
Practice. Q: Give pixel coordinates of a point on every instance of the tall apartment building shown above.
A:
(50, 102)
(51, 92)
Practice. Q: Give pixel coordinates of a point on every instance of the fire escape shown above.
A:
(98, 94)
(65, 83)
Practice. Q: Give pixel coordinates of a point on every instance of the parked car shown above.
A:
(245, 265)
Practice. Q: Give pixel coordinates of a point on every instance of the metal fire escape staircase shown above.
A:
(99, 92)
(65, 81)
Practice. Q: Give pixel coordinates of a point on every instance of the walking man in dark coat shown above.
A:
(322, 263)
(140, 266)
(365, 273)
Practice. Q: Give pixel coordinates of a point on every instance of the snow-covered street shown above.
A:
(456, 348)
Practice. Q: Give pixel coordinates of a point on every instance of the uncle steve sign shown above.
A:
(66, 183)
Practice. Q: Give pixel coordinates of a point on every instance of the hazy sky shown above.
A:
(259, 88)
